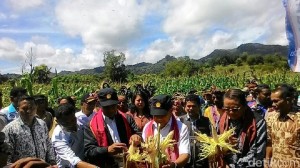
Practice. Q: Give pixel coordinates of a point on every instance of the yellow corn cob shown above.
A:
(150, 152)
(209, 145)
(168, 142)
(134, 154)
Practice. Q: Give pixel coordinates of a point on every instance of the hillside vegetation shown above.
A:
(222, 68)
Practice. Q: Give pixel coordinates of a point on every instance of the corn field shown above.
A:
(59, 87)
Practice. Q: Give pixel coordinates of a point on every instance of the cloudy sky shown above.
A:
(73, 34)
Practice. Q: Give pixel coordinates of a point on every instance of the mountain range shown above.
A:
(144, 68)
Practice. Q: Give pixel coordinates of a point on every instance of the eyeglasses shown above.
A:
(235, 109)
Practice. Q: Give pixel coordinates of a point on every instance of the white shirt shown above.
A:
(184, 142)
(65, 157)
(112, 127)
(82, 119)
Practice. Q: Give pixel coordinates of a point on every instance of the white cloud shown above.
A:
(9, 50)
(196, 28)
(243, 21)
(3, 16)
(61, 59)
(39, 39)
(14, 16)
(107, 24)
(191, 27)
(220, 39)
(22, 5)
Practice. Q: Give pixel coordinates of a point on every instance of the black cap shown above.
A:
(108, 97)
(89, 97)
(160, 104)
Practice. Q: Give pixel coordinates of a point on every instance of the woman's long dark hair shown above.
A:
(144, 96)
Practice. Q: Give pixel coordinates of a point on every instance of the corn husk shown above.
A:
(211, 146)
(153, 151)
(134, 154)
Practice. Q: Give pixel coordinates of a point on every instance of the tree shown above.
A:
(254, 60)
(3, 79)
(239, 62)
(30, 57)
(181, 66)
(244, 56)
(114, 67)
(269, 59)
(41, 74)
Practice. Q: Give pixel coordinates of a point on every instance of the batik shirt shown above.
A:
(284, 136)
(28, 142)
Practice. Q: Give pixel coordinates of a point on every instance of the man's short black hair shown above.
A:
(287, 90)
(69, 99)
(260, 87)
(26, 97)
(39, 97)
(193, 97)
(17, 91)
(64, 110)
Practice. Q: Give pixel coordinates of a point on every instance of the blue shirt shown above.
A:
(7, 115)
(10, 113)
(82, 119)
(258, 108)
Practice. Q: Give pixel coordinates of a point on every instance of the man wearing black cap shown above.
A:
(161, 109)
(109, 132)
(88, 103)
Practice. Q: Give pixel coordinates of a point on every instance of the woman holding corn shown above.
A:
(250, 135)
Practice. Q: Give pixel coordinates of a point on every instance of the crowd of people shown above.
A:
(266, 127)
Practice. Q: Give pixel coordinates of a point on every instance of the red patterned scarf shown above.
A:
(150, 132)
(97, 126)
(248, 133)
